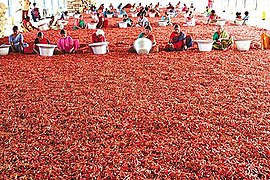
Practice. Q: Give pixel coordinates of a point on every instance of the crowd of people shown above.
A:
(178, 40)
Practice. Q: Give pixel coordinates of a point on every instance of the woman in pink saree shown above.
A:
(66, 44)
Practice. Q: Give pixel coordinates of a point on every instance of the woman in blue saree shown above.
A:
(16, 41)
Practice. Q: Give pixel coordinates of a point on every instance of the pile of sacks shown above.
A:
(3, 19)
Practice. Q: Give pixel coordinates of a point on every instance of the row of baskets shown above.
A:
(206, 45)
(141, 45)
(48, 49)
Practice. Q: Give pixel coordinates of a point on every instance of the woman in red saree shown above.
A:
(40, 40)
(179, 40)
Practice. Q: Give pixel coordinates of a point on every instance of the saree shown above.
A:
(17, 42)
(68, 44)
(180, 40)
(265, 41)
(225, 42)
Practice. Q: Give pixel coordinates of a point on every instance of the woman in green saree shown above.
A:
(222, 40)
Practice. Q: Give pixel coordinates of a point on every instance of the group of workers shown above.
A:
(178, 40)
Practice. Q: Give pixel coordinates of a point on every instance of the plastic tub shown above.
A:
(99, 48)
(152, 15)
(91, 25)
(4, 49)
(120, 15)
(122, 24)
(109, 15)
(221, 22)
(46, 49)
(205, 45)
(162, 23)
(76, 16)
(142, 45)
(133, 14)
(243, 45)
(239, 22)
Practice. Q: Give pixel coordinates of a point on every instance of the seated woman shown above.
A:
(99, 36)
(192, 7)
(157, 6)
(66, 44)
(185, 8)
(190, 21)
(167, 18)
(133, 8)
(27, 25)
(111, 7)
(79, 23)
(222, 40)
(127, 6)
(147, 34)
(142, 12)
(178, 5)
(40, 40)
(178, 40)
(246, 18)
(142, 21)
(127, 20)
(101, 8)
(119, 7)
(16, 41)
(238, 17)
(107, 12)
(213, 17)
(155, 11)
(169, 6)
(207, 11)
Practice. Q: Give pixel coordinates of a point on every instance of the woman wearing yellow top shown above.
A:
(25, 8)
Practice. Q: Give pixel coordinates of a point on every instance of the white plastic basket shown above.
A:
(46, 49)
(243, 45)
(120, 15)
(221, 22)
(122, 24)
(76, 16)
(239, 22)
(152, 15)
(133, 14)
(109, 15)
(99, 48)
(142, 45)
(4, 49)
(91, 25)
(162, 23)
(205, 45)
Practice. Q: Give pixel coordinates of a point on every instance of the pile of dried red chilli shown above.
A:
(166, 115)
